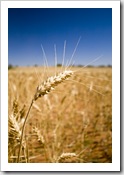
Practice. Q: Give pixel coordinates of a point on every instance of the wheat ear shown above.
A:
(14, 132)
(51, 82)
(42, 90)
(64, 156)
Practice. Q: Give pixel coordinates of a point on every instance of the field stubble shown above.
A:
(73, 123)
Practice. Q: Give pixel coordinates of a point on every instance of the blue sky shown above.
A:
(28, 28)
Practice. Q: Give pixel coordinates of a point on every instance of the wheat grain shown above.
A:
(15, 127)
(16, 120)
(39, 135)
(50, 83)
(65, 156)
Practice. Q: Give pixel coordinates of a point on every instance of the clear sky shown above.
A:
(28, 28)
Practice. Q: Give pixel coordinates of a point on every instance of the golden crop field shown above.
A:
(72, 123)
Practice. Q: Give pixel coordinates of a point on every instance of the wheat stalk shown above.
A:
(43, 89)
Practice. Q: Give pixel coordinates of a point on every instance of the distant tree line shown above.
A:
(80, 65)
(10, 66)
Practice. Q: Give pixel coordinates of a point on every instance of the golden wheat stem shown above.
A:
(22, 133)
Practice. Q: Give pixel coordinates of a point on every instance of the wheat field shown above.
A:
(72, 123)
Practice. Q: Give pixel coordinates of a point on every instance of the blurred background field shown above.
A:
(76, 117)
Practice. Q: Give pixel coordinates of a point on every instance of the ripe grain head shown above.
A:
(51, 82)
